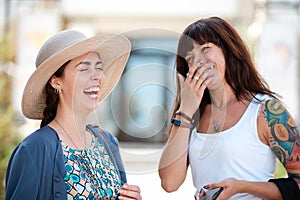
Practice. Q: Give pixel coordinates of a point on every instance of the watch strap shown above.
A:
(180, 123)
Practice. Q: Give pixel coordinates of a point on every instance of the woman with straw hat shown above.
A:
(65, 158)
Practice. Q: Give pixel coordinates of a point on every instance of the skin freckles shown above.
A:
(284, 138)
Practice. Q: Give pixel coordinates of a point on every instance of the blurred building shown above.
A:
(278, 50)
(140, 106)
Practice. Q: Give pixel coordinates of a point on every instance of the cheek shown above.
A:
(220, 61)
(221, 67)
(221, 71)
(79, 81)
(102, 81)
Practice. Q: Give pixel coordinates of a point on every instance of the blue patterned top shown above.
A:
(90, 173)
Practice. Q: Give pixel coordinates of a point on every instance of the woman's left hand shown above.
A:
(130, 192)
(230, 186)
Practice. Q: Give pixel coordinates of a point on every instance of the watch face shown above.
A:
(176, 122)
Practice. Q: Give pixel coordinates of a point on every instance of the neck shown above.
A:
(221, 98)
(73, 121)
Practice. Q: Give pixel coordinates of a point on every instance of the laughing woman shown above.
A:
(65, 158)
(228, 126)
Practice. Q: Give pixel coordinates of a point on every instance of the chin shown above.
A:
(93, 106)
(90, 106)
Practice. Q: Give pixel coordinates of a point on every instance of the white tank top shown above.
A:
(233, 153)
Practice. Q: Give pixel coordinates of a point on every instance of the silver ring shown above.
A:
(211, 67)
(188, 75)
(196, 78)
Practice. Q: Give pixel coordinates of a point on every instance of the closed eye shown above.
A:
(99, 66)
(189, 59)
(204, 49)
(83, 69)
(83, 66)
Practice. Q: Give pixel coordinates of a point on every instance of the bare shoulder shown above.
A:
(280, 129)
(278, 117)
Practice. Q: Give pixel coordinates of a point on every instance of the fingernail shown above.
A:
(206, 186)
(125, 186)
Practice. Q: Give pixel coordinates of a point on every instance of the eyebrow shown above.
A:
(88, 63)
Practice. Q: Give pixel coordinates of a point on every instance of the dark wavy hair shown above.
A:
(240, 72)
(52, 98)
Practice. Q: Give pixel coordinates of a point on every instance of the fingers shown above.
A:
(203, 71)
(130, 192)
(213, 186)
(191, 74)
(197, 76)
(201, 195)
(192, 88)
(206, 72)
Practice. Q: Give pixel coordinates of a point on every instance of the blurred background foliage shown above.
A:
(9, 137)
(280, 171)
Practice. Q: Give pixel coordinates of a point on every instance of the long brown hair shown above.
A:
(52, 98)
(240, 72)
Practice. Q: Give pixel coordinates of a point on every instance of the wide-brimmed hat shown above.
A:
(113, 49)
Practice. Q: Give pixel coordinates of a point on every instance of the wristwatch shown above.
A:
(177, 122)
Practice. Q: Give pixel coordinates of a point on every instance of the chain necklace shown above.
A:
(220, 107)
(66, 133)
(217, 125)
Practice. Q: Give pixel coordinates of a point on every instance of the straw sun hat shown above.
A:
(64, 46)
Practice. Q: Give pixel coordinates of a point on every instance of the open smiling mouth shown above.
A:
(92, 92)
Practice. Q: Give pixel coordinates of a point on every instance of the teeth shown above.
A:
(93, 89)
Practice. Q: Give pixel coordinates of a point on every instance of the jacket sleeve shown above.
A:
(21, 176)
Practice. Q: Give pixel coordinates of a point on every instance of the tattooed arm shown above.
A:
(277, 129)
(282, 135)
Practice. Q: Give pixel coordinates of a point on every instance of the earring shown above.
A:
(57, 90)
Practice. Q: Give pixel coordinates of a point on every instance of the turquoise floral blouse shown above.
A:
(91, 173)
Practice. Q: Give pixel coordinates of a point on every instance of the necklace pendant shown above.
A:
(216, 127)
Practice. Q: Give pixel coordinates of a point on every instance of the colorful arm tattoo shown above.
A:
(284, 140)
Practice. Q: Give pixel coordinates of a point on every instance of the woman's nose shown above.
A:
(95, 77)
(96, 74)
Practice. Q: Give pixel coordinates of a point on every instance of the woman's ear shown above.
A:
(55, 82)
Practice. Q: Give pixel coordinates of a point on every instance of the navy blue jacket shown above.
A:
(36, 168)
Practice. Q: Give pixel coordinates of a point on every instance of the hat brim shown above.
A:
(114, 51)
